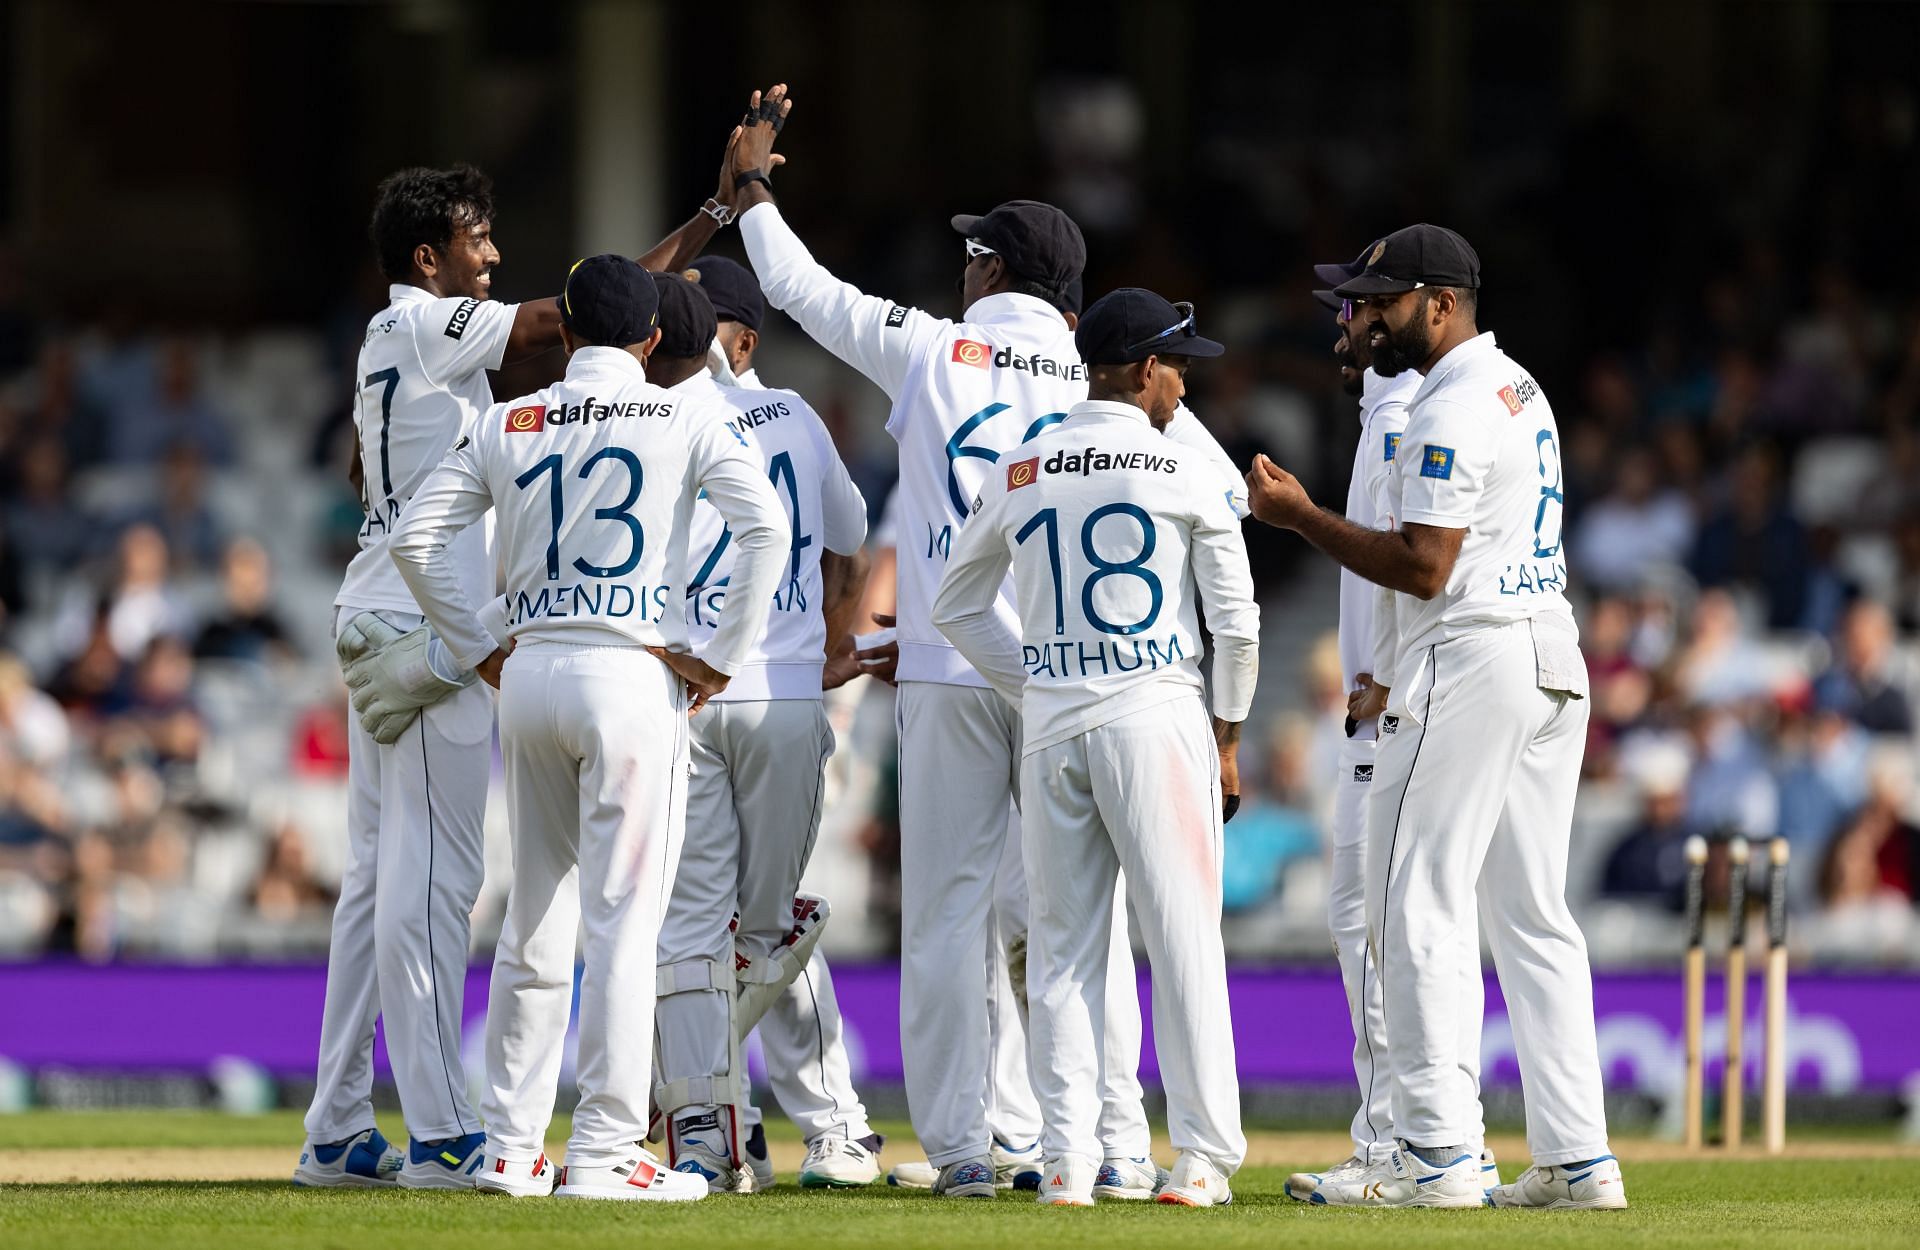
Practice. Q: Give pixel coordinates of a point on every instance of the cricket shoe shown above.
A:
(364, 1161)
(640, 1177)
(1134, 1180)
(835, 1162)
(516, 1177)
(759, 1162)
(1402, 1179)
(700, 1146)
(1489, 1171)
(1068, 1182)
(1595, 1185)
(1195, 1183)
(1301, 1185)
(913, 1175)
(1016, 1167)
(969, 1178)
(450, 1163)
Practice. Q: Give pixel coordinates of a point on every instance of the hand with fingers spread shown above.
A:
(1276, 495)
(750, 155)
(703, 680)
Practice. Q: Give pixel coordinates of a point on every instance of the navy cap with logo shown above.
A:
(687, 323)
(609, 301)
(731, 286)
(1131, 324)
(1415, 256)
(1038, 241)
(1332, 276)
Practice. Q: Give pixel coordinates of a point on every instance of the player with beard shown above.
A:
(1489, 691)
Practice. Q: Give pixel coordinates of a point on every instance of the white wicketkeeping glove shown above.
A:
(389, 674)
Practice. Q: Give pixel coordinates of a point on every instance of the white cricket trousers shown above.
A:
(415, 862)
(1482, 771)
(753, 811)
(803, 1040)
(1139, 795)
(959, 769)
(1372, 1127)
(595, 740)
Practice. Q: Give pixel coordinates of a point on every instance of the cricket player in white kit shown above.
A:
(1117, 537)
(1367, 628)
(802, 1036)
(963, 394)
(759, 755)
(593, 482)
(1489, 691)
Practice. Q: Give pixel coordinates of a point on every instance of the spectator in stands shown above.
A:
(177, 414)
(162, 708)
(33, 729)
(1638, 526)
(1719, 663)
(1867, 682)
(1622, 689)
(1822, 772)
(287, 889)
(142, 605)
(245, 627)
(1730, 788)
(1650, 862)
(43, 524)
(1276, 824)
(89, 684)
(1754, 541)
(180, 514)
(1870, 874)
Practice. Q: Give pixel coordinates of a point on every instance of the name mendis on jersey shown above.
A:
(1063, 660)
(559, 603)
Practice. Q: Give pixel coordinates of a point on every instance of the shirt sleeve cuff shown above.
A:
(1440, 520)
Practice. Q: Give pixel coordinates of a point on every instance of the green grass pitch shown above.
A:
(1835, 1199)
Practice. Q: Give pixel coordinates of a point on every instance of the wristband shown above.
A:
(752, 175)
(721, 214)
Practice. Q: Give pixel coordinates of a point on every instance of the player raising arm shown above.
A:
(594, 480)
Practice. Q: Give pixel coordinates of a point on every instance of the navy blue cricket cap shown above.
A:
(1415, 256)
(1131, 324)
(687, 323)
(609, 301)
(1038, 241)
(1332, 276)
(731, 286)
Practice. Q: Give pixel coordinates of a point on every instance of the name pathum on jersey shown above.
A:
(421, 380)
(825, 512)
(1115, 537)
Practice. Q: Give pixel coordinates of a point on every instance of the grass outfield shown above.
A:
(1834, 1192)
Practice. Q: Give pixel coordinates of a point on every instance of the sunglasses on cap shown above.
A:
(976, 249)
(1186, 323)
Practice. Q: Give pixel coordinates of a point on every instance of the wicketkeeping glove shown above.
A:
(389, 677)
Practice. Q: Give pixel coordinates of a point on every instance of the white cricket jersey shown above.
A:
(422, 379)
(1188, 430)
(593, 480)
(1481, 452)
(824, 511)
(1114, 536)
(964, 394)
(1383, 417)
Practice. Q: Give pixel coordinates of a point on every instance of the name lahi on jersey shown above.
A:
(975, 353)
(759, 416)
(1093, 460)
(1533, 579)
(1063, 660)
(606, 599)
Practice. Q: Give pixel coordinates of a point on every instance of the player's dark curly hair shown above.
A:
(421, 205)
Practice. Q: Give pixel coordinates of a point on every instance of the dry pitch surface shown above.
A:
(190, 1179)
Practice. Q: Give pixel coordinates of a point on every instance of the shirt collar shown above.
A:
(1376, 390)
(1011, 306)
(701, 383)
(407, 293)
(605, 362)
(1107, 409)
(1464, 354)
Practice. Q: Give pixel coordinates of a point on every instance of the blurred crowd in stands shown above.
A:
(1743, 531)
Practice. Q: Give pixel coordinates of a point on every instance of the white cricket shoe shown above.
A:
(1595, 1185)
(1489, 1171)
(516, 1177)
(1301, 1185)
(1403, 1180)
(835, 1162)
(1134, 1180)
(700, 1145)
(640, 1177)
(759, 1162)
(1068, 1182)
(919, 1175)
(1195, 1183)
(1016, 1167)
(969, 1178)
(366, 1160)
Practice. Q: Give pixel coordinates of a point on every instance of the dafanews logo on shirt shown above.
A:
(968, 352)
(1093, 460)
(529, 420)
(1022, 473)
(978, 355)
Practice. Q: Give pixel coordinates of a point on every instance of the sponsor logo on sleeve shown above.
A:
(1393, 446)
(979, 502)
(1363, 773)
(528, 420)
(1022, 472)
(1436, 461)
(461, 316)
(968, 352)
(1511, 398)
(464, 442)
(897, 317)
(1389, 726)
